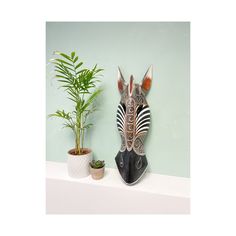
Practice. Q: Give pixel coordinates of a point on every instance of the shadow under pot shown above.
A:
(78, 165)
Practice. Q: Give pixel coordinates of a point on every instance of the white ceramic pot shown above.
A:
(78, 165)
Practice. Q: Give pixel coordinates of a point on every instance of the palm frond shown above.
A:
(77, 82)
(91, 99)
(61, 114)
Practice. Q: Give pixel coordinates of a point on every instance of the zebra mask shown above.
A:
(133, 120)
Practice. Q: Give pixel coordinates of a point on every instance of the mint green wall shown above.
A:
(134, 47)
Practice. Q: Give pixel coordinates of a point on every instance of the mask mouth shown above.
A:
(131, 83)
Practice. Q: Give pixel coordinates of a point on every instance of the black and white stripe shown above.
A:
(143, 119)
(120, 118)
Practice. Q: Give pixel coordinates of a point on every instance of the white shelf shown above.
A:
(153, 194)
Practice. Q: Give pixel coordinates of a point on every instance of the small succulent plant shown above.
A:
(97, 164)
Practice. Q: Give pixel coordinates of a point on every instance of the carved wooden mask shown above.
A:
(133, 120)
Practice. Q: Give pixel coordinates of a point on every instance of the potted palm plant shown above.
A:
(80, 85)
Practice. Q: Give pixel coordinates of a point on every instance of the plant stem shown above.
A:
(82, 129)
(78, 141)
(82, 138)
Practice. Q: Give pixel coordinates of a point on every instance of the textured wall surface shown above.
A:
(133, 47)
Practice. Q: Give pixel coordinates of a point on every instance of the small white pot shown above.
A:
(78, 165)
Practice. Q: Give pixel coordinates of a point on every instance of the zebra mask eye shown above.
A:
(133, 120)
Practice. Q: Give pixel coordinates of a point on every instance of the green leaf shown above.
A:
(63, 62)
(61, 71)
(81, 71)
(76, 59)
(87, 126)
(91, 98)
(65, 86)
(70, 125)
(72, 55)
(72, 99)
(61, 114)
(80, 64)
(61, 76)
(59, 66)
(68, 69)
(94, 68)
(65, 56)
(63, 81)
(98, 70)
(73, 95)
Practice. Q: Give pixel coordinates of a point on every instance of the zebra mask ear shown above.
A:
(147, 81)
(121, 81)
